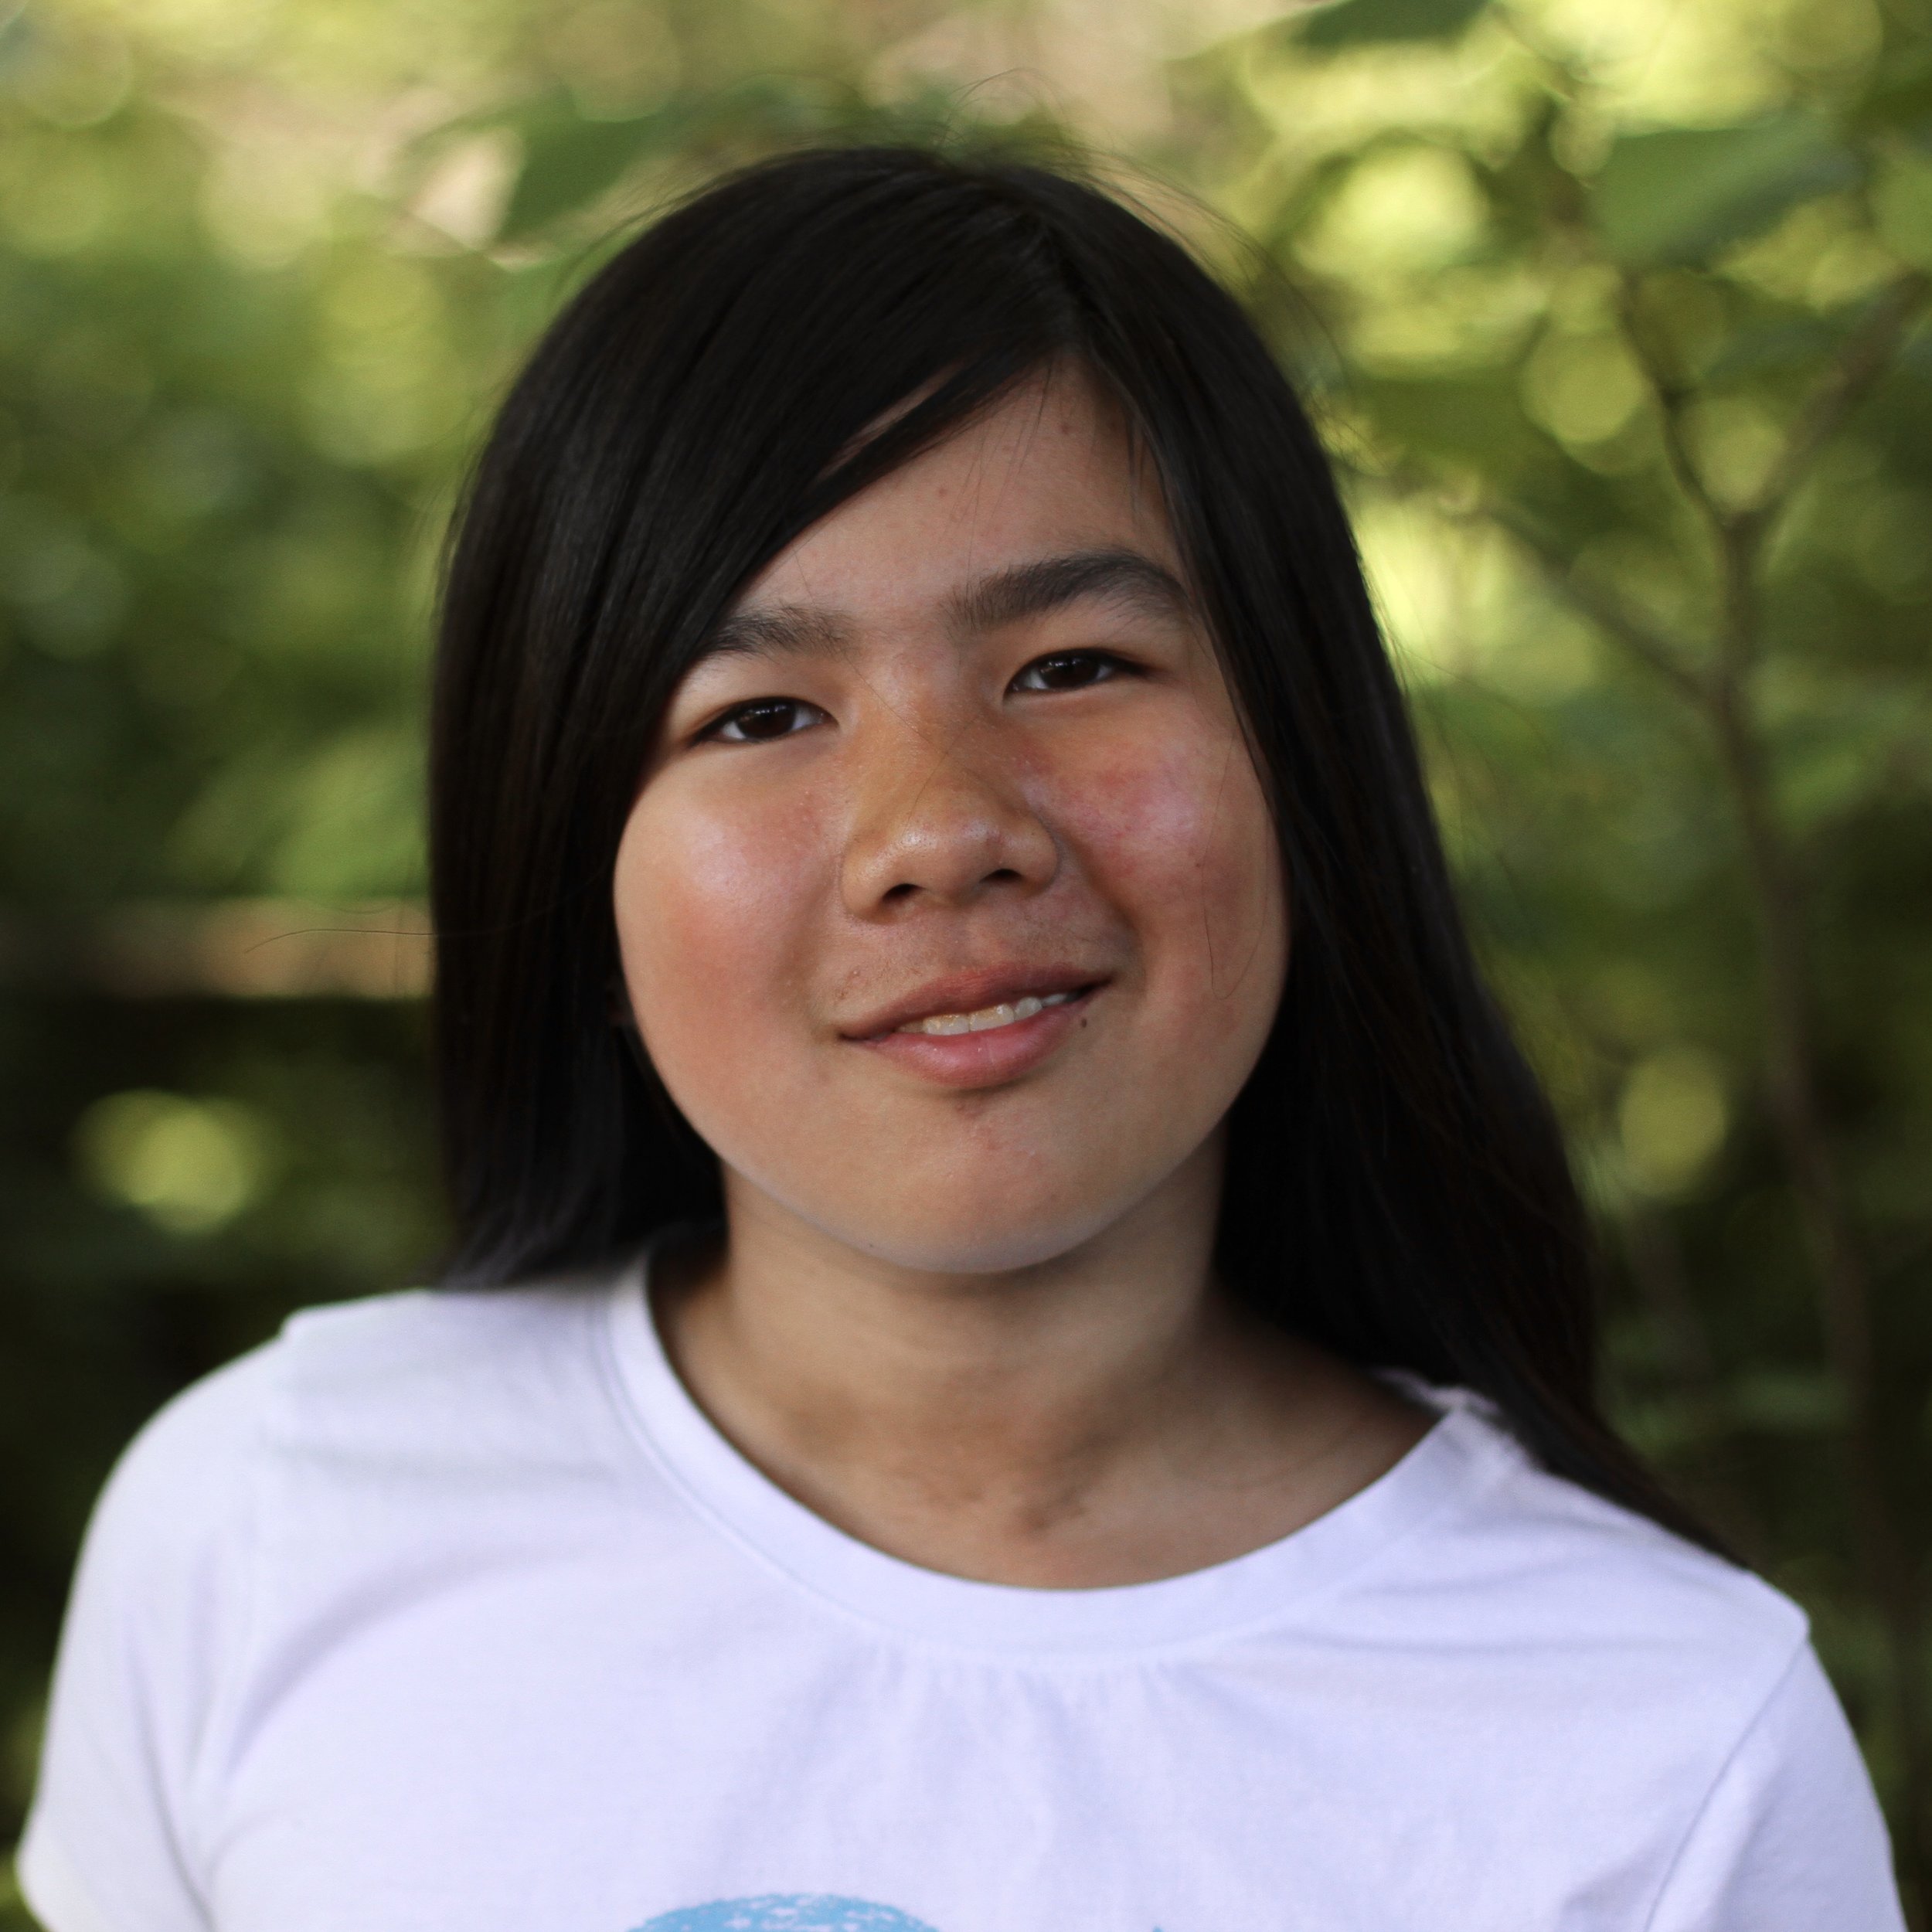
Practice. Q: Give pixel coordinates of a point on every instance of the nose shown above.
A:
(941, 823)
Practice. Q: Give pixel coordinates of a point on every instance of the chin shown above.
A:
(993, 1232)
(1005, 1251)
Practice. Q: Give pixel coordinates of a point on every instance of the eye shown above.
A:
(762, 719)
(1070, 671)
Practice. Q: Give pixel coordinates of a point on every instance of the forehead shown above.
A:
(1052, 470)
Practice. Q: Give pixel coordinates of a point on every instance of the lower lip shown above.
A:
(989, 1058)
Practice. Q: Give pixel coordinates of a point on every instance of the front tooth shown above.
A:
(988, 1017)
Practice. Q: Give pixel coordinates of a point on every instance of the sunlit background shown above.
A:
(1613, 313)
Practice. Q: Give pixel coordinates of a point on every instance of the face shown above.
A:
(949, 907)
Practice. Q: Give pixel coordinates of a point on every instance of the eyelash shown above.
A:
(738, 713)
(1109, 666)
(1107, 663)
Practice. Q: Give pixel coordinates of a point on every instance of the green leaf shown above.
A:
(1902, 205)
(569, 160)
(1782, 346)
(1681, 194)
(1474, 419)
(1900, 96)
(1360, 23)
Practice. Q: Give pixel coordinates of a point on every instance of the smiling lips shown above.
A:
(978, 1001)
(983, 1029)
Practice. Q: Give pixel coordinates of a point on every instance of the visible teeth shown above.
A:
(987, 1018)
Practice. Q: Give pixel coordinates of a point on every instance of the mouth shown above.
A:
(986, 1019)
(981, 1030)
(985, 1001)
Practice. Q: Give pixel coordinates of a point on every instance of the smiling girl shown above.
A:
(1019, 1353)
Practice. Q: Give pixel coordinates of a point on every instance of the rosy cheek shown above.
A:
(711, 906)
(1178, 833)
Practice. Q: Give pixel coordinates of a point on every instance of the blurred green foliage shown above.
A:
(1613, 313)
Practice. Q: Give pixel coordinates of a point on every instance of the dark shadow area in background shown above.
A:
(106, 1311)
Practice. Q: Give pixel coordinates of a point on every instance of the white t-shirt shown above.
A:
(452, 1613)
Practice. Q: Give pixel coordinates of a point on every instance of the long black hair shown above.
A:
(1397, 1187)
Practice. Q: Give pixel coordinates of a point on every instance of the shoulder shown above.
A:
(1577, 1588)
(415, 1381)
(167, 1539)
(1712, 1726)
(1620, 1683)
(1790, 1833)
(423, 1358)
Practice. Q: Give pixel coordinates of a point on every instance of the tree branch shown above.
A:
(1866, 355)
(1671, 393)
(1738, 536)
(1614, 615)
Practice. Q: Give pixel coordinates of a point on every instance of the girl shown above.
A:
(1019, 1353)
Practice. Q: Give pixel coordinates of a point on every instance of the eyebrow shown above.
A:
(1025, 590)
(1000, 597)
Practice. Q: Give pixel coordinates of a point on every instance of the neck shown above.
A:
(1051, 1423)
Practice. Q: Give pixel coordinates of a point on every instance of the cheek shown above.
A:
(1178, 833)
(711, 910)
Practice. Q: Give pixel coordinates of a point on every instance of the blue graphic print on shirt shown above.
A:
(787, 1912)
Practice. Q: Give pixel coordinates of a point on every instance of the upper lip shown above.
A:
(970, 993)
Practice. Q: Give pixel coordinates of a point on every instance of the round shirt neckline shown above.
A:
(1457, 1454)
